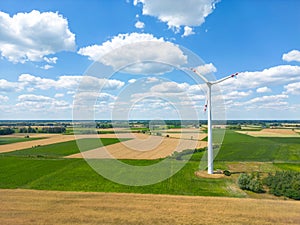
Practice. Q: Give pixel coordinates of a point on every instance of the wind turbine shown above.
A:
(210, 155)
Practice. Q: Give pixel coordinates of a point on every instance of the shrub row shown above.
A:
(251, 182)
(6, 131)
(284, 183)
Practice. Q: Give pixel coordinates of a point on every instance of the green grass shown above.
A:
(241, 147)
(10, 140)
(238, 147)
(77, 175)
(288, 166)
(63, 148)
(44, 168)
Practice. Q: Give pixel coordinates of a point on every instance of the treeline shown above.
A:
(104, 125)
(50, 130)
(6, 131)
(282, 183)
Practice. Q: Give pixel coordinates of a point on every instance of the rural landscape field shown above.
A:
(149, 112)
(53, 162)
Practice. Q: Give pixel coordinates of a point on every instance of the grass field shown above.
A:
(44, 168)
(77, 175)
(238, 147)
(10, 140)
(241, 147)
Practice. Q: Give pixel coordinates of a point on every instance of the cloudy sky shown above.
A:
(128, 58)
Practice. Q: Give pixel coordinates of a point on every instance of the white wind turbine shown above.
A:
(210, 155)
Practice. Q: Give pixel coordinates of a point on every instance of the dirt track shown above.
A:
(49, 207)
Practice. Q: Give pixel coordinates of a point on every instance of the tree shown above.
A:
(6, 131)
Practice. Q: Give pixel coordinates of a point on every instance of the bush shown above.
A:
(284, 183)
(6, 131)
(227, 173)
(53, 130)
(243, 181)
(251, 182)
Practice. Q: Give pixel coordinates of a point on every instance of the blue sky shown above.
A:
(48, 46)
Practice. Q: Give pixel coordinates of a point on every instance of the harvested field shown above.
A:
(189, 136)
(47, 139)
(271, 133)
(141, 147)
(183, 130)
(52, 207)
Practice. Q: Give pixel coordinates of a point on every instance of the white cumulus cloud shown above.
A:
(278, 75)
(178, 13)
(59, 95)
(131, 81)
(269, 102)
(188, 31)
(3, 98)
(46, 67)
(293, 88)
(263, 90)
(170, 87)
(206, 69)
(139, 25)
(6, 86)
(33, 36)
(293, 55)
(68, 82)
(137, 53)
(237, 94)
(33, 98)
(40, 103)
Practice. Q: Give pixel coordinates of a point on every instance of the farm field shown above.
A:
(11, 140)
(26, 174)
(241, 147)
(77, 175)
(47, 139)
(45, 168)
(272, 133)
(63, 148)
(42, 139)
(142, 147)
(33, 207)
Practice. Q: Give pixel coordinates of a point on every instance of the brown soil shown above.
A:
(52, 207)
(204, 174)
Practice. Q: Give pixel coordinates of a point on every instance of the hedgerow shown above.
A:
(251, 182)
(284, 183)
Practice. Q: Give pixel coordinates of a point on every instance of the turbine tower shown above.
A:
(210, 155)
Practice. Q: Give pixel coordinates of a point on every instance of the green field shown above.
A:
(44, 168)
(238, 147)
(10, 140)
(241, 147)
(76, 175)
